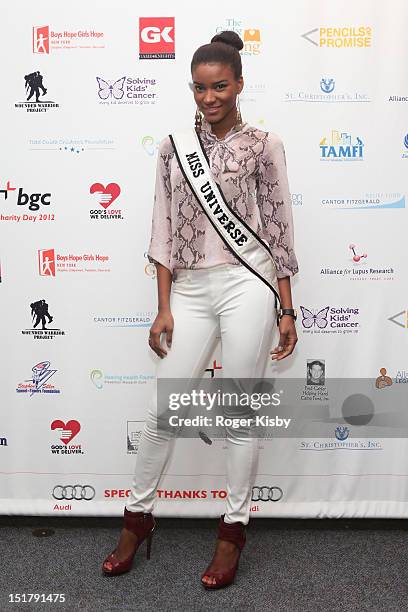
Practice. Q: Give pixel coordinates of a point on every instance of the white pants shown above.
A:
(227, 301)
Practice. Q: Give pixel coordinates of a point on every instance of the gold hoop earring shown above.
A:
(198, 119)
(239, 123)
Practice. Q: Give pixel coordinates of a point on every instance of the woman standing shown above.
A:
(216, 291)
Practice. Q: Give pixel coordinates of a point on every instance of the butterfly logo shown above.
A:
(310, 319)
(111, 90)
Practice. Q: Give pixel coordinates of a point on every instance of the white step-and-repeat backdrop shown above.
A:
(89, 90)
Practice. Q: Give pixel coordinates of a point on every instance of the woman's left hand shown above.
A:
(287, 340)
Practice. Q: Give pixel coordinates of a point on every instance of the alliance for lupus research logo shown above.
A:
(34, 88)
(341, 147)
(99, 379)
(400, 319)
(46, 39)
(340, 37)
(342, 441)
(66, 432)
(369, 201)
(38, 383)
(103, 197)
(133, 436)
(405, 150)
(326, 91)
(51, 263)
(40, 314)
(360, 268)
(156, 38)
(251, 36)
(33, 201)
(330, 320)
(138, 319)
(127, 90)
(73, 146)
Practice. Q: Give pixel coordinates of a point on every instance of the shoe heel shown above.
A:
(149, 544)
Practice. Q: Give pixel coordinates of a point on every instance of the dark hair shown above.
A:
(224, 49)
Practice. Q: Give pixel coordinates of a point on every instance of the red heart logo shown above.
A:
(105, 195)
(68, 430)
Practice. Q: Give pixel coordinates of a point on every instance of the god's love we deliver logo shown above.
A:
(66, 433)
(103, 197)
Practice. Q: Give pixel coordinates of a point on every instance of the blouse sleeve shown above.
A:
(161, 235)
(276, 207)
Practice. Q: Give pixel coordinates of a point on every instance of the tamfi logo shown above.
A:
(340, 147)
(340, 37)
(156, 38)
(41, 39)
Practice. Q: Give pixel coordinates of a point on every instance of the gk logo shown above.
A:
(153, 34)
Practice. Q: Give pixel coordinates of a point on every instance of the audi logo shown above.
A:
(265, 494)
(70, 492)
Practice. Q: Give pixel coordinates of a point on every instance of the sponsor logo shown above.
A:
(297, 199)
(212, 369)
(402, 376)
(46, 39)
(134, 435)
(343, 37)
(330, 320)
(360, 270)
(104, 197)
(342, 432)
(149, 268)
(150, 145)
(266, 494)
(127, 90)
(165, 494)
(34, 88)
(156, 38)
(66, 432)
(340, 147)
(383, 380)
(251, 36)
(74, 146)
(366, 201)
(3, 441)
(326, 93)
(398, 99)
(400, 319)
(253, 91)
(139, 319)
(315, 389)
(38, 383)
(405, 150)
(99, 379)
(73, 492)
(33, 202)
(49, 262)
(40, 314)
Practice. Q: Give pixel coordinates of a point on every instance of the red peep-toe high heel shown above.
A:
(229, 532)
(142, 525)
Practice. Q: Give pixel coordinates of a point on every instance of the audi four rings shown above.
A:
(273, 494)
(70, 492)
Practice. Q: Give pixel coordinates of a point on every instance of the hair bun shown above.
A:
(229, 38)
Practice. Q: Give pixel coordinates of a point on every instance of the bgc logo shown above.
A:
(156, 38)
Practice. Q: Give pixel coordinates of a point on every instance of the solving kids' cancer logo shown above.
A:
(330, 320)
(102, 198)
(156, 38)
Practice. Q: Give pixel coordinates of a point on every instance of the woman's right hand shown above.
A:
(163, 323)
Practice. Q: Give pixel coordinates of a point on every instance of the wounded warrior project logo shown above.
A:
(34, 88)
(339, 147)
(38, 383)
(127, 90)
(330, 320)
(41, 317)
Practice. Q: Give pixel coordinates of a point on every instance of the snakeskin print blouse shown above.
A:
(250, 167)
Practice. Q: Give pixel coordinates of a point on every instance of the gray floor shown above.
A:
(287, 565)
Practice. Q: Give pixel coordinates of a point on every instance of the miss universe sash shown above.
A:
(251, 250)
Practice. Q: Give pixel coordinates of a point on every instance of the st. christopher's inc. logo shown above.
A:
(34, 90)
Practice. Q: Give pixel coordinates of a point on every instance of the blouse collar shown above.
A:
(206, 127)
